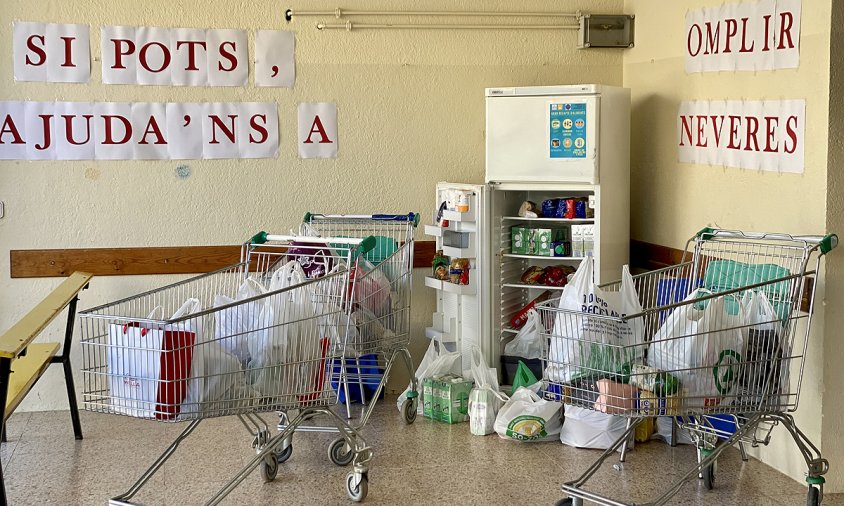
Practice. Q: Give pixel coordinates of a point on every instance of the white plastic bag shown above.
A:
(578, 345)
(437, 361)
(663, 432)
(484, 400)
(701, 348)
(585, 428)
(241, 326)
(528, 417)
(218, 382)
(764, 376)
(528, 342)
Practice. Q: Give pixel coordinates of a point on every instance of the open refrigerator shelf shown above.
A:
(572, 221)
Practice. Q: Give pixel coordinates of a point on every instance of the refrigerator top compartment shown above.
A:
(557, 134)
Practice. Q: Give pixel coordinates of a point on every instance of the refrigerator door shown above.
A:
(542, 137)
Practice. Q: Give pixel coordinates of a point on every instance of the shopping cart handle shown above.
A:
(367, 245)
(397, 217)
(705, 230)
(828, 243)
(409, 217)
(259, 238)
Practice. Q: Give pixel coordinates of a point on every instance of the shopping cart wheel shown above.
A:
(709, 476)
(283, 455)
(269, 467)
(357, 493)
(409, 407)
(813, 499)
(339, 454)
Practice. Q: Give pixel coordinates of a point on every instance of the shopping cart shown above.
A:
(378, 332)
(255, 337)
(728, 327)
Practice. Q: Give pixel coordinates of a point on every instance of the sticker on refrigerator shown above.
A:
(567, 131)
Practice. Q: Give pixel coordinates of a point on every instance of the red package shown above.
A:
(554, 276)
(570, 208)
(519, 319)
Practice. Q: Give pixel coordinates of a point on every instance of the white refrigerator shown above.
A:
(542, 143)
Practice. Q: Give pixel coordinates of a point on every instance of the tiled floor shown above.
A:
(425, 463)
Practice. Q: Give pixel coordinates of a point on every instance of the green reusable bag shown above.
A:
(524, 377)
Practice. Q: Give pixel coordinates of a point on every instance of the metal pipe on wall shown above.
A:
(339, 13)
(349, 26)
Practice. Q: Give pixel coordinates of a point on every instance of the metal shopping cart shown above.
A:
(722, 350)
(378, 332)
(257, 336)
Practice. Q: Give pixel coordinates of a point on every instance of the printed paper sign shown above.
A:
(137, 131)
(51, 52)
(761, 135)
(318, 130)
(274, 58)
(761, 35)
(175, 56)
(567, 130)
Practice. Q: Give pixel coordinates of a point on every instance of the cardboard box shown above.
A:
(454, 407)
(542, 239)
(651, 404)
(449, 398)
(520, 240)
(428, 397)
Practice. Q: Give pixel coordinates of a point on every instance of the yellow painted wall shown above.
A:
(410, 113)
(833, 406)
(671, 201)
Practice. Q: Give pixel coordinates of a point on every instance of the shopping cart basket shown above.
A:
(257, 336)
(724, 336)
(378, 330)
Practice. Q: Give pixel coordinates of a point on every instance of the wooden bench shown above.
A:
(22, 362)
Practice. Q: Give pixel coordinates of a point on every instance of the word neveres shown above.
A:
(123, 131)
(766, 135)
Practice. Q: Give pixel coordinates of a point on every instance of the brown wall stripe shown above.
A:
(49, 263)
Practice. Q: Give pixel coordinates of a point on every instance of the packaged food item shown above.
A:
(560, 212)
(645, 430)
(529, 210)
(571, 211)
(654, 380)
(462, 204)
(590, 207)
(519, 319)
(456, 271)
(580, 208)
(519, 240)
(549, 208)
(577, 232)
(532, 275)
(558, 248)
(554, 276)
(651, 404)
(440, 265)
(543, 238)
(615, 398)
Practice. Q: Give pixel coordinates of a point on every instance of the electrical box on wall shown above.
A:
(605, 30)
